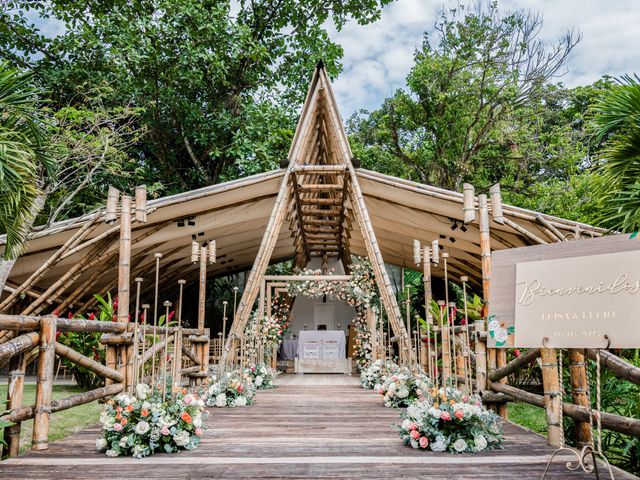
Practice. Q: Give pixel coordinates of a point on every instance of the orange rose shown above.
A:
(184, 391)
(144, 412)
(119, 409)
(123, 422)
(186, 417)
(118, 416)
(130, 408)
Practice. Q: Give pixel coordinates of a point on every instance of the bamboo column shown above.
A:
(124, 273)
(552, 396)
(42, 407)
(481, 357)
(202, 291)
(425, 349)
(15, 394)
(580, 393)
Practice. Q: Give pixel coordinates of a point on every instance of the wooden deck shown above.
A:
(300, 430)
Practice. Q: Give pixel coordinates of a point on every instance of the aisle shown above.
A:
(296, 431)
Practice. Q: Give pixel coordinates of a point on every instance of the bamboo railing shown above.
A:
(188, 349)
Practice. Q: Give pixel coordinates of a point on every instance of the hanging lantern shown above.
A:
(496, 204)
(195, 251)
(112, 205)
(141, 204)
(416, 252)
(469, 207)
(435, 252)
(212, 251)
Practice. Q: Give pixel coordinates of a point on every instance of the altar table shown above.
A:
(321, 344)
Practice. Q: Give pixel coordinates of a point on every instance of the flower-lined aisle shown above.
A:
(142, 424)
(436, 419)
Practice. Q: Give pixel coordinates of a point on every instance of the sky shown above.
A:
(378, 57)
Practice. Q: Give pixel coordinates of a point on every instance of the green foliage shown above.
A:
(23, 158)
(217, 83)
(617, 119)
(3, 423)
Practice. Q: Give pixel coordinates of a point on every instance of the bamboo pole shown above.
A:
(124, 280)
(46, 360)
(617, 365)
(153, 350)
(88, 363)
(167, 306)
(529, 356)
(157, 256)
(202, 291)
(15, 395)
(41, 270)
(18, 345)
(610, 421)
(136, 346)
(552, 396)
(25, 413)
(580, 394)
(481, 357)
(145, 313)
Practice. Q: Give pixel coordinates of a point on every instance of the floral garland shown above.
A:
(271, 330)
(234, 389)
(143, 424)
(448, 420)
(262, 376)
(374, 375)
(403, 387)
(361, 293)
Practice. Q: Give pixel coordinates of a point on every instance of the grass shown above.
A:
(528, 416)
(63, 423)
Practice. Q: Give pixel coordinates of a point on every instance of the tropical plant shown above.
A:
(23, 161)
(617, 120)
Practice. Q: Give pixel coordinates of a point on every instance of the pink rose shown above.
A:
(459, 414)
(198, 432)
(165, 430)
(117, 427)
(424, 442)
(394, 379)
(415, 434)
(188, 399)
(445, 416)
(413, 426)
(381, 391)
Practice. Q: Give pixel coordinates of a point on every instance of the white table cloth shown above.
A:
(306, 340)
(289, 349)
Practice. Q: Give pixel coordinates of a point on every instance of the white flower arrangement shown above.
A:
(402, 386)
(261, 375)
(448, 420)
(144, 424)
(234, 389)
(374, 375)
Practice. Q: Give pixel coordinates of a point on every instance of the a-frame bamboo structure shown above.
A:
(320, 196)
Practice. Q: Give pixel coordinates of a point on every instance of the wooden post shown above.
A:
(552, 396)
(15, 393)
(202, 292)
(580, 393)
(481, 357)
(124, 272)
(371, 324)
(46, 359)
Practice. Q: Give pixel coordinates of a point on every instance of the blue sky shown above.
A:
(377, 57)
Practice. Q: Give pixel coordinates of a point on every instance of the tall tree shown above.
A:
(218, 81)
(617, 118)
(471, 80)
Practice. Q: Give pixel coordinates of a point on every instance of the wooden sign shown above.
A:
(567, 295)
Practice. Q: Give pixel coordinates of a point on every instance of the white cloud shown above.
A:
(378, 57)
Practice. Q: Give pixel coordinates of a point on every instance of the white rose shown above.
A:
(480, 443)
(493, 325)
(142, 427)
(435, 412)
(460, 445)
(111, 453)
(403, 392)
(221, 400)
(181, 438)
(101, 444)
(142, 391)
(241, 401)
(405, 424)
(197, 422)
(123, 442)
(258, 381)
(501, 334)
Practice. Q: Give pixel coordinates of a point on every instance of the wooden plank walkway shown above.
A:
(297, 431)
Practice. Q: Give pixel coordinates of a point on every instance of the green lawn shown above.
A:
(528, 416)
(63, 423)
